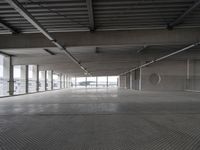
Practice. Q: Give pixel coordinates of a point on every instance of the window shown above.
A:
(49, 79)
(4, 75)
(112, 81)
(19, 73)
(56, 81)
(41, 80)
(63, 81)
(102, 81)
(91, 82)
(73, 82)
(32, 78)
(81, 82)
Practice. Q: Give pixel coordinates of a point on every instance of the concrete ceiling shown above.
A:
(107, 37)
(74, 15)
(98, 60)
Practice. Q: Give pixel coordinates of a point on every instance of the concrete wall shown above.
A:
(168, 75)
(165, 75)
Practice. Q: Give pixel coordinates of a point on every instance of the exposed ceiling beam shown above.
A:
(161, 58)
(23, 12)
(6, 54)
(6, 26)
(90, 14)
(103, 38)
(181, 18)
(50, 52)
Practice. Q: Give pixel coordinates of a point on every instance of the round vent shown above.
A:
(154, 79)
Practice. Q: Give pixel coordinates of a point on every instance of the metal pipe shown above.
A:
(90, 14)
(6, 26)
(161, 58)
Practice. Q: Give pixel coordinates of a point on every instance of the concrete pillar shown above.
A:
(106, 81)
(23, 78)
(51, 79)
(86, 82)
(66, 81)
(131, 80)
(26, 79)
(37, 78)
(42, 80)
(5, 62)
(96, 82)
(45, 80)
(11, 76)
(188, 75)
(63, 82)
(60, 80)
(128, 80)
(75, 82)
(140, 79)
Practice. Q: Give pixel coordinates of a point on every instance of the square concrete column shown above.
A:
(96, 82)
(75, 82)
(188, 75)
(60, 80)
(63, 81)
(66, 81)
(107, 81)
(128, 80)
(22, 79)
(26, 79)
(140, 79)
(131, 80)
(37, 78)
(45, 80)
(51, 79)
(9, 73)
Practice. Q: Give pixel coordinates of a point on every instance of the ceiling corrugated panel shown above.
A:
(72, 15)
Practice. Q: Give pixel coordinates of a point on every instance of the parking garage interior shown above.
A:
(99, 74)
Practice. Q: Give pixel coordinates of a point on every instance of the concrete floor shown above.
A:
(100, 119)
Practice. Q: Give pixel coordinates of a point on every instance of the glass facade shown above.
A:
(113, 81)
(73, 82)
(48, 79)
(93, 82)
(81, 82)
(32, 78)
(28, 79)
(4, 75)
(19, 73)
(102, 81)
(41, 80)
(62, 81)
(56, 81)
